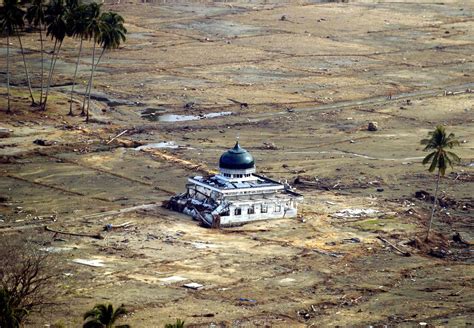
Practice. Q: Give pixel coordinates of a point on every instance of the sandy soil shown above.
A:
(312, 82)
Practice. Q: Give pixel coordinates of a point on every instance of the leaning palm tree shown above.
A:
(92, 31)
(78, 19)
(11, 16)
(35, 15)
(104, 316)
(19, 22)
(439, 158)
(111, 34)
(56, 28)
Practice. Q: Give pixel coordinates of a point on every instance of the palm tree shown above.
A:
(78, 20)
(56, 28)
(35, 15)
(10, 316)
(11, 16)
(111, 34)
(104, 316)
(440, 158)
(93, 28)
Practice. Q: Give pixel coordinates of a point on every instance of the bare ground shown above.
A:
(312, 83)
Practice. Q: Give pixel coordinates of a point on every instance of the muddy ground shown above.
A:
(312, 76)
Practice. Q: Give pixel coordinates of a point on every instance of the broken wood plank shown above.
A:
(404, 253)
(95, 236)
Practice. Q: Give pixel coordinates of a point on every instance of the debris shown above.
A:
(380, 189)
(110, 227)
(459, 239)
(204, 315)
(172, 279)
(438, 252)
(193, 285)
(189, 105)
(243, 299)
(356, 213)
(332, 254)
(5, 133)
(92, 263)
(354, 240)
(118, 135)
(283, 18)
(404, 253)
(42, 142)
(242, 104)
(373, 126)
(96, 236)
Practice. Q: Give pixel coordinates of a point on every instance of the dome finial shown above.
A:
(237, 146)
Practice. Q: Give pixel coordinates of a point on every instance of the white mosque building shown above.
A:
(237, 195)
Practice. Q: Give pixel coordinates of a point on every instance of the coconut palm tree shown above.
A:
(92, 31)
(11, 16)
(111, 34)
(439, 158)
(77, 21)
(104, 316)
(56, 28)
(35, 16)
(10, 316)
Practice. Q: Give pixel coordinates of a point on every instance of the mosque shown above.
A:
(236, 195)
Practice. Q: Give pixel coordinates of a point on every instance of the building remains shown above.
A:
(236, 195)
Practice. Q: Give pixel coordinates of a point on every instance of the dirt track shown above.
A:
(312, 82)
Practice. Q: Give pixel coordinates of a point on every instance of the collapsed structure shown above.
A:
(236, 195)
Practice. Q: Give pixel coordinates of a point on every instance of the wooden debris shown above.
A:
(95, 236)
(404, 253)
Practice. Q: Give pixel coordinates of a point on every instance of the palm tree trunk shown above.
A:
(9, 110)
(53, 64)
(91, 82)
(26, 69)
(87, 95)
(434, 205)
(74, 78)
(42, 62)
(49, 75)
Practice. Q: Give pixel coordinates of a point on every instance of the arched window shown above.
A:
(238, 211)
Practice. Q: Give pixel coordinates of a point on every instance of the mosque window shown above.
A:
(238, 211)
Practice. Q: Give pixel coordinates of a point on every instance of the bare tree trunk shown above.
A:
(42, 62)
(26, 69)
(75, 74)
(434, 205)
(53, 64)
(9, 110)
(87, 95)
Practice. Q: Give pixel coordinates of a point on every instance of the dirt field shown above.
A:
(313, 75)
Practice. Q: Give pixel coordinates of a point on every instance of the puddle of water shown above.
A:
(163, 144)
(150, 114)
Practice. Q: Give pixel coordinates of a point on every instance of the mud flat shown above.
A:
(298, 83)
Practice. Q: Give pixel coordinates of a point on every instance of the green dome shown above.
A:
(236, 158)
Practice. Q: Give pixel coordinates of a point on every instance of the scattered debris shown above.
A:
(172, 279)
(373, 126)
(4, 132)
(242, 104)
(404, 253)
(95, 236)
(110, 227)
(193, 285)
(460, 240)
(118, 135)
(353, 240)
(356, 213)
(243, 299)
(283, 18)
(42, 142)
(92, 263)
